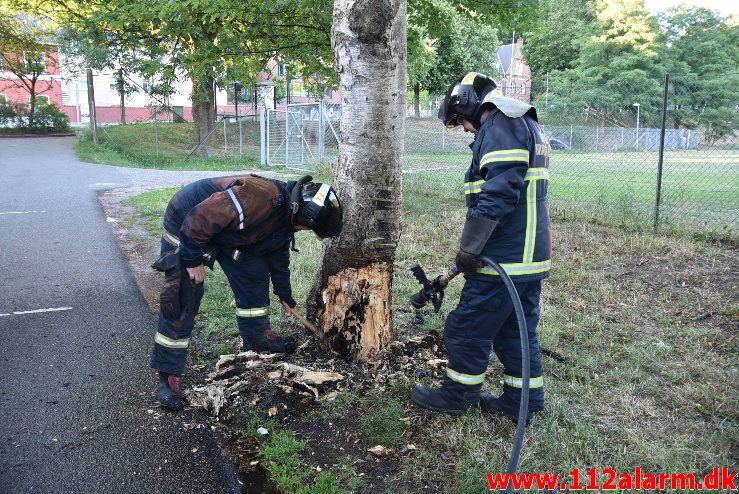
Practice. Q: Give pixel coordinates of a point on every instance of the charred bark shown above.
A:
(351, 295)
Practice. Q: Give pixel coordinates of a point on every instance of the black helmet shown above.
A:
(464, 99)
(316, 206)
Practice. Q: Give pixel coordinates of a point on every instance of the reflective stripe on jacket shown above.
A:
(507, 181)
(248, 213)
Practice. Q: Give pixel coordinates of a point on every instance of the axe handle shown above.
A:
(305, 322)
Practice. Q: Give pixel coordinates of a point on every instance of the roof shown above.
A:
(505, 57)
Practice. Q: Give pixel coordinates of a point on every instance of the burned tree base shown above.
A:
(356, 312)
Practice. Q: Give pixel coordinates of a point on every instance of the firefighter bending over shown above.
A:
(247, 224)
(507, 220)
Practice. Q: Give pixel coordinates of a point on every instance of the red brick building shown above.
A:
(13, 89)
(516, 74)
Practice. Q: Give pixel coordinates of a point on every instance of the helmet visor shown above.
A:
(329, 220)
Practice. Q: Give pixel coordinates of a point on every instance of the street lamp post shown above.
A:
(638, 107)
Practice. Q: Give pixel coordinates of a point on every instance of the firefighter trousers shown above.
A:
(249, 281)
(485, 318)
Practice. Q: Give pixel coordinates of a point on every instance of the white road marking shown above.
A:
(36, 311)
(22, 212)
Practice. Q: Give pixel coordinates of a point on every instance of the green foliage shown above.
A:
(554, 44)
(26, 51)
(447, 38)
(702, 54)
(47, 117)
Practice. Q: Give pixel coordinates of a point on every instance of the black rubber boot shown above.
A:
(270, 343)
(169, 392)
(452, 398)
(503, 406)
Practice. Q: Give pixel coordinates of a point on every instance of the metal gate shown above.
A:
(301, 137)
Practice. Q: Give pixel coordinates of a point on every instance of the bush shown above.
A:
(7, 116)
(50, 117)
(46, 117)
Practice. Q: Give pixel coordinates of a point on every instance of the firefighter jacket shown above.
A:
(507, 182)
(245, 215)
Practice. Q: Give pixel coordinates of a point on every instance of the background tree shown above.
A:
(702, 55)
(554, 44)
(202, 40)
(26, 50)
(618, 65)
(444, 41)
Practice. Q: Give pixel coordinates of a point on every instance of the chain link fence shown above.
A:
(612, 159)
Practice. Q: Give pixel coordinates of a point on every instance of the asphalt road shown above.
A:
(77, 406)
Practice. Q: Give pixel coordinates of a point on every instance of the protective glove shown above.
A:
(467, 263)
(289, 300)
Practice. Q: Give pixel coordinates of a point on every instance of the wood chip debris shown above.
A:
(379, 450)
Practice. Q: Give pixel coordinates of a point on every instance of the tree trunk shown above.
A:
(122, 94)
(417, 99)
(32, 103)
(351, 297)
(203, 113)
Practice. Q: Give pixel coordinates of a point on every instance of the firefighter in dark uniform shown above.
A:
(507, 220)
(247, 224)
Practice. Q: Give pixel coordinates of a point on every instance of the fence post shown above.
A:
(263, 130)
(225, 136)
(321, 132)
(241, 137)
(661, 152)
(570, 136)
(91, 105)
(156, 132)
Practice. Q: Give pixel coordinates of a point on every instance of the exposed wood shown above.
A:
(357, 312)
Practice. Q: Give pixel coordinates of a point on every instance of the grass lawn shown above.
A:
(700, 188)
(646, 326)
(700, 191)
(167, 146)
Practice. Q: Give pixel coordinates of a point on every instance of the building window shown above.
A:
(35, 62)
(519, 69)
(511, 88)
(281, 68)
(522, 89)
(3, 99)
(147, 86)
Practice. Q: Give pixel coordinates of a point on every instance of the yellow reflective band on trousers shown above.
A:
(163, 340)
(465, 378)
(521, 155)
(253, 312)
(473, 187)
(517, 382)
(519, 268)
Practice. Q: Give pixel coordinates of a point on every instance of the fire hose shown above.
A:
(433, 291)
